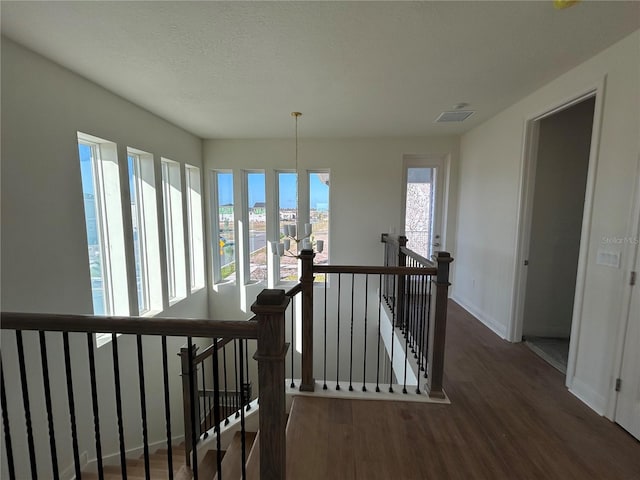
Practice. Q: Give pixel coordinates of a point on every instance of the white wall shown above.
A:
(365, 195)
(560, 184)
(490, 166)
(44, 246)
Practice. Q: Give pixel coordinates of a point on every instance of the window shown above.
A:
(173, 231)
(256, 235)
(194, 210)
(319, 214)
(287, 215)
(103, 217)
(144, 219)
(419, 218)
(223, 227)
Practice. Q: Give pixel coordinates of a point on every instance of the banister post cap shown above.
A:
(444, 257)
(270, 301)
(270, 297)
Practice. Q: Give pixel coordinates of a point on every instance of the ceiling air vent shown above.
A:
(454, 116)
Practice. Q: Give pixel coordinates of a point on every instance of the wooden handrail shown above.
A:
(267, 327)
(294, 291)
(172, 327)
(374, 270)
(207, 352)
(399, 242)
(392, 239)
(418, 258)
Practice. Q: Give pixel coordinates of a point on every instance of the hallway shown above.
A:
(510, 417)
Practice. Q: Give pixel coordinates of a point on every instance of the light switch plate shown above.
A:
(608, 258)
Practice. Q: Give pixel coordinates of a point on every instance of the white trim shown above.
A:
(625, 316)
(586, 394)
(529, 149)
(402, 363)
(371, 394)
(69, 473)
(442, 162)
(491, 323)
(114, 458)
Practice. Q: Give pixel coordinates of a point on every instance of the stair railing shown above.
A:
(218, 393)
(34, 362)
(416, 297)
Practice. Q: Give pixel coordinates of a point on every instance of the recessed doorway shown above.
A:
(558, 183)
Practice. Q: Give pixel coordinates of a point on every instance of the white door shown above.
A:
(423, 204)
(628, 404)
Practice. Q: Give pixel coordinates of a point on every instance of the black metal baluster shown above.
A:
(47, 400)
(411, 308)
(243, 433)
(27, 407)
(421, 331)
(192, 384)
(407, 301)
(216, 406)
(426, 338)
(379, 334)
(246, 366)
(418, 313)
(143, 407)
(204, 404)
(394, 299)
(393, 330)
(72, 408)
(338, 337)
(406, 313)
(5, 424)
(324, 386)
(94, 401)
(226, 387)
(353, 280)
(293, 337)
(167, 408)
(238, 405)
(411, 312)
(366, 311)
(116, 378)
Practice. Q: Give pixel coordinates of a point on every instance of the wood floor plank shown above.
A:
(232, 461)
(511, 417)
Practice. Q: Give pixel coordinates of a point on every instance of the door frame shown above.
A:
(525, 209)
(443, 162)
(625, 318)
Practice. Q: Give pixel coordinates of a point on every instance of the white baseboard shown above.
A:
(588, 395)
(69, 473)
(491, 323)
(114, 458)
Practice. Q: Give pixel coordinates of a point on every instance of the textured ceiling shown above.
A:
(237, 69)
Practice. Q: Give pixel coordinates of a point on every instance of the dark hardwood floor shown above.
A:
(510, 417)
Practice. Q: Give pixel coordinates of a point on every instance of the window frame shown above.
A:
(216, 233)
(175, 257)
(277, 223)
(246, 231)
(319, 279)
(110, 232)
(136, 176)
(194, 228)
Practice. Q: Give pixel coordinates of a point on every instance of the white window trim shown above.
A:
(246, 253)
(109, 218)
(195, 229)
(174, 231)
